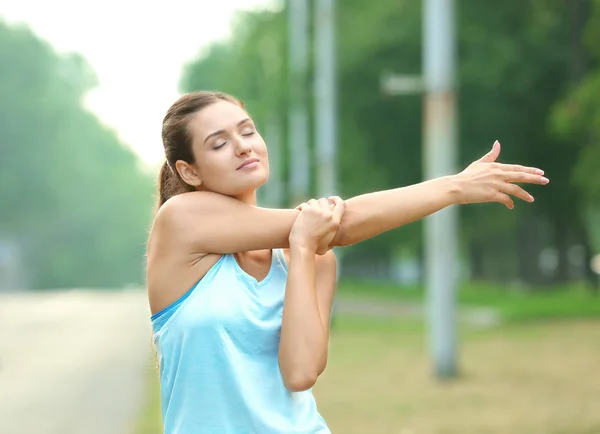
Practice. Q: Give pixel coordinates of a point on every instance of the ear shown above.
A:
(188, 173)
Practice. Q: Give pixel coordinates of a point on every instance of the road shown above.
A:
(72, 362)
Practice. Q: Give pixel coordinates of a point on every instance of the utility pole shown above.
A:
(298, 111)
(439, 158)
(325, 98)
(273, 189)
(325, 87)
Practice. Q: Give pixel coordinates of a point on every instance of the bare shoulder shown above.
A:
(211, 222)
(172, 267)
(178, 209)
(186, 218)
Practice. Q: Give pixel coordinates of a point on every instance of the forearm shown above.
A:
(371, 214)
(303, 341)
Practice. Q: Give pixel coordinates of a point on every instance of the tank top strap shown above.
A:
(279, 260)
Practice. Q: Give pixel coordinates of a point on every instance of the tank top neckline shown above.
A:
(275, 260)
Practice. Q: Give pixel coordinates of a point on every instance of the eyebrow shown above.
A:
(216, 133)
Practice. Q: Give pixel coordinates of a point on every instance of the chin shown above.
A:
(258, 179)
(255, 185)
(249, 186)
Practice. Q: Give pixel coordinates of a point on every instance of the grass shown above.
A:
(525, 378)
(150, 419)
(518, 378)
(512, 303)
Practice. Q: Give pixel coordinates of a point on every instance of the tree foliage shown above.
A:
(524, 77)
(72, 196)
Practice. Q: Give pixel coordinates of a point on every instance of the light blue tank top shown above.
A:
(218, 357)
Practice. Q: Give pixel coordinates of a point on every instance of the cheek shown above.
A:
(212, 168)
(260, 147)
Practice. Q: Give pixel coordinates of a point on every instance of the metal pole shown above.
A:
(440, 160)
(298, 129)
(273, 189)
(325, 97)
(325, 87)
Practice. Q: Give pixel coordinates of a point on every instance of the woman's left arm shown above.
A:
(307, 308)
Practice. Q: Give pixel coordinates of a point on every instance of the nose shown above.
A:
(242, 146)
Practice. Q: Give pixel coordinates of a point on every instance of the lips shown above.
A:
(247, 162)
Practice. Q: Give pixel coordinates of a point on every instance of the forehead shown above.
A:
(218, 116)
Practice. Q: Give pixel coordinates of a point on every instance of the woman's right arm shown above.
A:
(213, 223)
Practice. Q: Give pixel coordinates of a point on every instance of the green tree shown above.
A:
(73, 197)
(515, 62)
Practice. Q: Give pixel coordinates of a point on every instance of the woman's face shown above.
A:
(230, 156)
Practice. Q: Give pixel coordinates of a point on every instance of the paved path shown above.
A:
(72, 362)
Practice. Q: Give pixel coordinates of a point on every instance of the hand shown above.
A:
(316, 225)
(487, 181)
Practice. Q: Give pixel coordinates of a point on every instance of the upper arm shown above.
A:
(326, 279)
(213, 223)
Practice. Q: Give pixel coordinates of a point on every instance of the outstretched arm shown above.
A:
(371, 214)
(212, 223)
(483, 181)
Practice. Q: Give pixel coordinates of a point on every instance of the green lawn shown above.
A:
(513, 304)
(535, 374)
(150, 421)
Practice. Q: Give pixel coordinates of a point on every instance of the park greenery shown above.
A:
(527, 75)
(78, 203)
(73, 198)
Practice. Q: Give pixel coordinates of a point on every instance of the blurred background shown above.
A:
(478, 320)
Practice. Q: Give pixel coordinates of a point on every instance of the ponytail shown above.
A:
(170, 184)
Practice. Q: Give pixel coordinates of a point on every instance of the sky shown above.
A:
(120, 38)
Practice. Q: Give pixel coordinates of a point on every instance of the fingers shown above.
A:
(333, 206)
(524, 177)
(515, 190)
(324, 204)
(504, 199)
(491, 156)
(339, 207)
(335, 200)
(519, 168)
(321, 204)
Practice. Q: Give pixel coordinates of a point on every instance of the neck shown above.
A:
(249, 198)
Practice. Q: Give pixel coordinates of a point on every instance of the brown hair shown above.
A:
(177, 139)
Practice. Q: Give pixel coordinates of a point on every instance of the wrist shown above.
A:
(302, 248)
(302, 245)
(453, 186)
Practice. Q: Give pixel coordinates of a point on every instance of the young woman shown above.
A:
(241, 295)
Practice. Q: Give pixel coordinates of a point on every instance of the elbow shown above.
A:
(299, 381)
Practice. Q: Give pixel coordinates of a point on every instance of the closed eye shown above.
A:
(220, 145)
